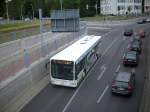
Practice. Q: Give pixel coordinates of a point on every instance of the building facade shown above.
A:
(121, 7)
(147, 6)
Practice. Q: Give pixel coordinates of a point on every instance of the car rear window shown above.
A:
(135, 44)
(131, 56)
(121, 84)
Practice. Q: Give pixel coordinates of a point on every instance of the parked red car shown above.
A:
(141, 33)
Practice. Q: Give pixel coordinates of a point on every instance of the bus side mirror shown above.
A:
(47, 65)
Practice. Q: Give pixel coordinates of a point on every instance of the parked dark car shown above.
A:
(123, 83)
(148, 20)
(131, 58)
(136, 39)
(142, 21)
(135, 46)
(128, 32)
(141, 33)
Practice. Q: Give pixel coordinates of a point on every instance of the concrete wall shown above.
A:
(106, 4)
(22, 71)
(19, 54)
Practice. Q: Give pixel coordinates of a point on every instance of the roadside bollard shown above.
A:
(13, 35)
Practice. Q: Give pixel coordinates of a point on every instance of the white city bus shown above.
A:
(70, 66)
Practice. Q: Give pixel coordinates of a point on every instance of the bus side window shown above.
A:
(97, 50)
(79, 67)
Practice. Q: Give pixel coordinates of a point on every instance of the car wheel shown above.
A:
(130, 94)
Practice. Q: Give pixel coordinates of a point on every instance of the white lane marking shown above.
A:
(118, 68)
(109, 47)
(105, 90)
(75, 93)
(103, 68)
(71, 99)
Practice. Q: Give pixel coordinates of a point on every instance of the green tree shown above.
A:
(28, 8)
(15, 9)
(2, 8)
(91, 10)
(69, 4)
(143, 3)
(129, 9)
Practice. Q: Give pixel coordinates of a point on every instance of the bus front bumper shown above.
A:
(66, 83)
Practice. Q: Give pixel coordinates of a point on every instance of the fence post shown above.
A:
(40, 17)
(26, 58)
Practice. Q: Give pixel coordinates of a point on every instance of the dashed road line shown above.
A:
(105, 90)
(109, 47)
(118, 68)
(103, 68)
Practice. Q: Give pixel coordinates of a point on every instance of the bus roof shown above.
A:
(77, 50)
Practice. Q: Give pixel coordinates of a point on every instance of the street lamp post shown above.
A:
(21, 12)
(61, 4)
(32, 11)
(96, 7)
(7, 14)
(99, 6)
(105, 18)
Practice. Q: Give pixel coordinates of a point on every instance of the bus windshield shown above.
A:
(62, 69)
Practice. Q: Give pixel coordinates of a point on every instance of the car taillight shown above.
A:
(113, 84)
(129, 87)
(130, 48)
(124, 61)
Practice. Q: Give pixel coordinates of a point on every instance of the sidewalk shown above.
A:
(145, 101)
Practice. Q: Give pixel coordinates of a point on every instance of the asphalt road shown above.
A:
(93, 94)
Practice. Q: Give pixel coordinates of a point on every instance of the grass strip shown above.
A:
(19, 26)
